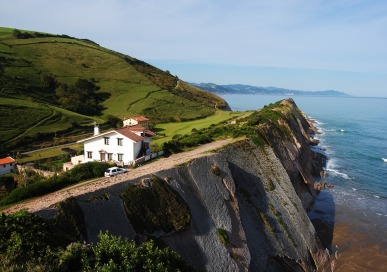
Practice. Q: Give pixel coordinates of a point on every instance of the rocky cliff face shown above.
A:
(246, 204)
(291, 138)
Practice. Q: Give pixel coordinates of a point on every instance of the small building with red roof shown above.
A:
(137, 120)
(7, 166)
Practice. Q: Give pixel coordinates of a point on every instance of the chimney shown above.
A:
(96, 129)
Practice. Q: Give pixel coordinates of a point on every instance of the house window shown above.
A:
(120, 157)
(110, 156)
(106, 140)
(119, 141)
(89, 154)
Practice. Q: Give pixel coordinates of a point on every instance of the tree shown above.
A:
(49, 81)
(80, 98)
(17, 34)
(114, 121)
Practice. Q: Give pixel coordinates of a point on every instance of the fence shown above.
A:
(146, 158)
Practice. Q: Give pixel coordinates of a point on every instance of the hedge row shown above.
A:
(79, 173)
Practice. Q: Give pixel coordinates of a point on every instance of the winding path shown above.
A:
(47, 201)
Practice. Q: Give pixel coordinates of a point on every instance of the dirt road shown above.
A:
(90, 186)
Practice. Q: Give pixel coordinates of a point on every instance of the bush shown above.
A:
(88, 170)
(114, 253)
(222, 236)
(8, 182)
(29, 243)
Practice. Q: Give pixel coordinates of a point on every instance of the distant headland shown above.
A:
(248, 89)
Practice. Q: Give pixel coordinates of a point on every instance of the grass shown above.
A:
(265, 221)
(222, 236)
(45, 154)
(282, 223)
(168, 130)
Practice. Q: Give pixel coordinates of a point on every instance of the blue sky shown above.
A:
(296, 44)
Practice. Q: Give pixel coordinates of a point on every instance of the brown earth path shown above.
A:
(48, 200)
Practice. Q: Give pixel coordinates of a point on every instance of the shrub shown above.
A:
(215, 169)
(114, 253)
(222, 236)
(29, 243)
(8, 182)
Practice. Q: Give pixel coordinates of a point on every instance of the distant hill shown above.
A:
(55, 86)
(247, 89)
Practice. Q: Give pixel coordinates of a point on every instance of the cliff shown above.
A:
(239, 208)
(291, 137)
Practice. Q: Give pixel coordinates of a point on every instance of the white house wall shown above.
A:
(97, 144)
(7, 168)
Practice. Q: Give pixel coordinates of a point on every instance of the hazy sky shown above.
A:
(296, 44)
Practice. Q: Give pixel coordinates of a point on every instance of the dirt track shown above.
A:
(90, 186)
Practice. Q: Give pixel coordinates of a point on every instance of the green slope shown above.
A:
(29, 106)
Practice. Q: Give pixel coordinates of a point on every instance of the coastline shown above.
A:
(354, 241)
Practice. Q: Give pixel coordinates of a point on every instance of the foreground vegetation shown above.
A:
(30, 243)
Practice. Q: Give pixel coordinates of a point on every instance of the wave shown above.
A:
(336, 172)
(385, 160)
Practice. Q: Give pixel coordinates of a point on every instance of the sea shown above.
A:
(353, 135)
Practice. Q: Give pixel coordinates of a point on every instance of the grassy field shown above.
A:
(48, 153)
(166, 131)
(24, 119)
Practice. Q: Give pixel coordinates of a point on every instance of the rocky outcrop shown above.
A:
(291, 138)
(246, 203)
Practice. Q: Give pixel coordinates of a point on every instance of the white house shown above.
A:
(121, 146)
(7, 165)
(137, 120)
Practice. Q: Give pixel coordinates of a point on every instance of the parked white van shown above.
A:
(113, 171)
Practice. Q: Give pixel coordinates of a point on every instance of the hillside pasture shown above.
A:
(17, 116)
(166, 131)
(37, 67)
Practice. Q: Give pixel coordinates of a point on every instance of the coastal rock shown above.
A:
(291, 140)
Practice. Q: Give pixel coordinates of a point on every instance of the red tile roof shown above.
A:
(139, 118)
(149, 133)
(137, 128)
(6, 160)
(126, 131)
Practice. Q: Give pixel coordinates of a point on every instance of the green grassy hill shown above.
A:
(34, 66)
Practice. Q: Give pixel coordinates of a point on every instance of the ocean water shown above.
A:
(354, 137)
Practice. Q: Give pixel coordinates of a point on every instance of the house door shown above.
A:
(103, 156)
